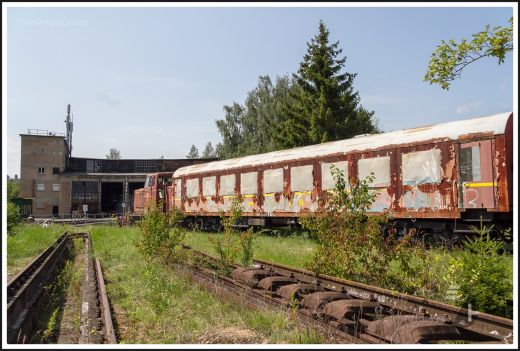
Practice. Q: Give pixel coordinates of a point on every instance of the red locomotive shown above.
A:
(440, 178)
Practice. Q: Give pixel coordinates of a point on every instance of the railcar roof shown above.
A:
(494, 125)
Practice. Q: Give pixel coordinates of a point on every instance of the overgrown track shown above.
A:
(25, 291)
(357, 312)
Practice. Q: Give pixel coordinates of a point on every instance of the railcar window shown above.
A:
(148, 182)
(302, 178)
(470, 164)
(273, 180)
(192, 187)
(248, 183)
(178, 188)
(209, 186)
(327, 180)
(380, 166)
(227, 185)
(422, 167)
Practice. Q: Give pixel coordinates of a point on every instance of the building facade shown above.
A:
(60, 185)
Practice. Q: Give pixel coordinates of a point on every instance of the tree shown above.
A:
(450, 58)
(208, 152)
(13, 189)
(325, 108)
(194, 152)
(230, 128)
(114, 154)
(251, 128)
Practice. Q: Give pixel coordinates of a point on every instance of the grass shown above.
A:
(67, 284)
(296, 251)
(29, 241)
(292, 251)
(153, 304)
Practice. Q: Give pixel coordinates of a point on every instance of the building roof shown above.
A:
(494, 125)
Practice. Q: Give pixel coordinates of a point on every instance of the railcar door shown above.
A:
(476, 174)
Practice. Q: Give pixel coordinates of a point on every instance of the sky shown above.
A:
(152, 81)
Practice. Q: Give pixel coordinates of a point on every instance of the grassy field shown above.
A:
(154, 305)
(29, 241)
(293, 251)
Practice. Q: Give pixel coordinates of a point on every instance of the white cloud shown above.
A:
(463, 109)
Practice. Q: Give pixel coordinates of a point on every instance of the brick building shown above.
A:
(59, 184)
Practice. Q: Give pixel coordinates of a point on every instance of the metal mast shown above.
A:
(69, 124)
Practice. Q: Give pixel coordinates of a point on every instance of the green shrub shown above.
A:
(350, 244)
(159, 237)
(13, 217)
(479, 274)
(234, 244)
(228, 246)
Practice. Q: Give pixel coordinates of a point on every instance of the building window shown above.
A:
(273, 180)
(327, 179)
(470, 164)
(302, 178)
(248, 183)
(41, 170)
(209, 186)
(55, 187)
(56, 170)
(379, 166)
(40, 187)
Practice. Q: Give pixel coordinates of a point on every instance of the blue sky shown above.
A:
(152, 81)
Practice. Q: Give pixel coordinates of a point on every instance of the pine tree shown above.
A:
(326, 108)
(194, 152)
(208, 152)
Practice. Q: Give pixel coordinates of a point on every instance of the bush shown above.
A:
(350, 244)
(479, 274)
(234, 243)
(13, 217)
(160, 237)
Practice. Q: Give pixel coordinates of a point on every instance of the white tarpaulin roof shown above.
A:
(494, 124)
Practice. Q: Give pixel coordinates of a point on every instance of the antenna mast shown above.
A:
(69, 124)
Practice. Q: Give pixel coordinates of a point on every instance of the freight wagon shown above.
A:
(439, 179)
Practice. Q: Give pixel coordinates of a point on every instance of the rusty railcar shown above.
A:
(157, 189)
(439, 178)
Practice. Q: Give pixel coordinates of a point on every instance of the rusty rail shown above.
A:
(479, 322)
(108, 327)
(366, 313)
(26, 288)
(24, 291)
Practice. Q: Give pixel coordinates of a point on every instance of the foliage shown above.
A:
(325, 108)
(113, 154)
(350, 244)
(450, 58)
(153, 304)
(208, 152)
(247, 245)
(233, 244)
(194, 152)
(159, 237)
(13, 189)
(228, 246)
(479, 274)
(251, 128)
(316, 105)
(13, 217)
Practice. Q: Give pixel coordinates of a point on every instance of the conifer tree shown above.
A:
(326, 107)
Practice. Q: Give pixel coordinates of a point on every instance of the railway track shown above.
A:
(351, 312)
(25, 294)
